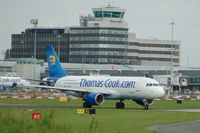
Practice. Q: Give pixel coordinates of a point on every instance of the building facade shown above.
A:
(149, 52)
(23, 44)
(101, 38)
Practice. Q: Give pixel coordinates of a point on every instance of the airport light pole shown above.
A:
(171, 54)
(3, 52)
(172, 48)
(34, 21)
(59, 36)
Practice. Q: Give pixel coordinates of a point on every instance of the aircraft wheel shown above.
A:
(146, 107)
(120, 105)
(86, 105)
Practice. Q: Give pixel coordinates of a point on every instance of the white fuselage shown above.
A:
(115, 87)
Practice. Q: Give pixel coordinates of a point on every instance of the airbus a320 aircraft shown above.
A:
(95, 89)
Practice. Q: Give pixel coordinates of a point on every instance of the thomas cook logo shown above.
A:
(52, 59)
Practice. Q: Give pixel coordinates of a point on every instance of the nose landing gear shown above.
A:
(146, 107)
(86, 105)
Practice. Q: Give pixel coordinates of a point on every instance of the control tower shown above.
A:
(105, 17)
(100, 39)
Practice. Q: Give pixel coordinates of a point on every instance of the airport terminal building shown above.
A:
(101, 38)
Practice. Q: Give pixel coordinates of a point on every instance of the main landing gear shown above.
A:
(120, 105)
(87, 105)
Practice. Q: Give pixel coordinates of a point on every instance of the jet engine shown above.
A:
(144, 102)
(94, 99)
(50, 83)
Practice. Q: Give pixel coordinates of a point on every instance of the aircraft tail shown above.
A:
(54, 66)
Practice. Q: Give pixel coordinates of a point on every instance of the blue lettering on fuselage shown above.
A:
(91, 83)
(10, 80)
(107, 83)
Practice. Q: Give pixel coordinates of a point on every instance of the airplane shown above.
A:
(95, 89)
(9, 82)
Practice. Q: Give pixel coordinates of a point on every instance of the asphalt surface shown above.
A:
(184, 127)
(97, 107)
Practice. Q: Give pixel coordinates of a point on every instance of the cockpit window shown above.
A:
(152, 84)
(155, 85)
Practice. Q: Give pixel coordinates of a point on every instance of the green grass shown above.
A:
(186, 104)
(65, 120)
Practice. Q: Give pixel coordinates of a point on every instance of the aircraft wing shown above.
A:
(34, 80)
(69, 89)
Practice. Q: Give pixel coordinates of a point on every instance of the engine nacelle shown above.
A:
(144, 102)
(50, 81)
(94, 99)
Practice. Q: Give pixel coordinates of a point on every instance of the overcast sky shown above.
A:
(149, 19)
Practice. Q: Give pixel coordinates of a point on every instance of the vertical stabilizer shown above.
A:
(54, 66)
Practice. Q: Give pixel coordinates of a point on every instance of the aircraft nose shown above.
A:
(158, 92)
(161, 92)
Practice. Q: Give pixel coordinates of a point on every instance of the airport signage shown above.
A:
(85, 111)
(36, 116)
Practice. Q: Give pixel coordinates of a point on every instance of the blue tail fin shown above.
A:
(54, 66)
